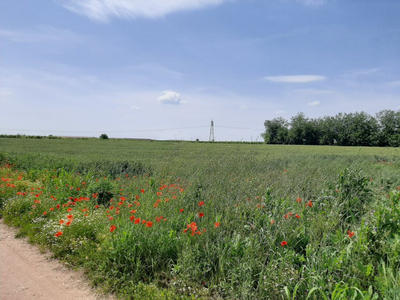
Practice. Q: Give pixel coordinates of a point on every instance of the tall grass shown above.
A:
(216, 220)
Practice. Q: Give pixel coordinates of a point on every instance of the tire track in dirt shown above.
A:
(25, 273)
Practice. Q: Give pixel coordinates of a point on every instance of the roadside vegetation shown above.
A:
(176, 220)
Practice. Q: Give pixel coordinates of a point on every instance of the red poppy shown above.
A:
(272, 222)
(181, 210)
(149, 223)
(112, 228)
(309, 204)
(299, 200)
(69, 209)
(283, 244)
(216, 224)
(137, 221)
(201, 203)
(59, 233)
(297, 216)
(61, 221)
(201, 215)
(132, 218)
(350, 233)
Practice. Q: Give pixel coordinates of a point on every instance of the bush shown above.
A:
(104, 136)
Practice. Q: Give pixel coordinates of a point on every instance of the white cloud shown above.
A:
(280, 112)
(314, 103)
(135, 107)
(171, 97)
(102, 10)
(243, 107)
(295, 78)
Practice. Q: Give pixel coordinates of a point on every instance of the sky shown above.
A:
(163, 69)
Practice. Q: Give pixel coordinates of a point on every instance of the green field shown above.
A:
(186, 220)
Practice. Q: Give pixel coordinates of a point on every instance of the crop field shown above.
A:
(186, 220)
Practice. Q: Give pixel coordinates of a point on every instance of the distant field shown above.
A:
(244, 221)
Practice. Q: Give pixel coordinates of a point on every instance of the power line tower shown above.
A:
(212, 132)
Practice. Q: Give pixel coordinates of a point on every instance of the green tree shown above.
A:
(389, 128)
(104, 136)
(303, 131)
(276, 131)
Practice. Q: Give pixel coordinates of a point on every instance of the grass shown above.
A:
(182, 220)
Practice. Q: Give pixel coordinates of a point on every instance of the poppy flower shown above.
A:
(137, 221)
(201, 215)
(112, 228)
(181, 210)
(132, 218)
(61, 221)
(272, 222)
(283, 244)
(201, 203)
(299, 200)
(149, 224)
(350, 233)
(297, 216)
(309, 204)
(59, 233)
(216, 224)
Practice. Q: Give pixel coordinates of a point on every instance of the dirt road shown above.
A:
(25, 273)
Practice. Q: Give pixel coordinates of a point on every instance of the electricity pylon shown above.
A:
(212, 132)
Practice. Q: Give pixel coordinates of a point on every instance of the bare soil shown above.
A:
(26, 273)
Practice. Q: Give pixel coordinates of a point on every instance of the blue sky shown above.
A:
(163, 69)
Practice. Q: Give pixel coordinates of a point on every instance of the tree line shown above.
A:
(352, 129)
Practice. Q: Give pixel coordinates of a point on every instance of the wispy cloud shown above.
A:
(295, 78)
(280, 112)
(312, 2)
(103, 10)
(314, 103)
(135, 107)
(40, 34)
(171, 97)
(394, 83)
(158, 70)
(313, 92)
(243, 107)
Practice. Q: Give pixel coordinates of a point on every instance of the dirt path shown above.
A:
(25, 273)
